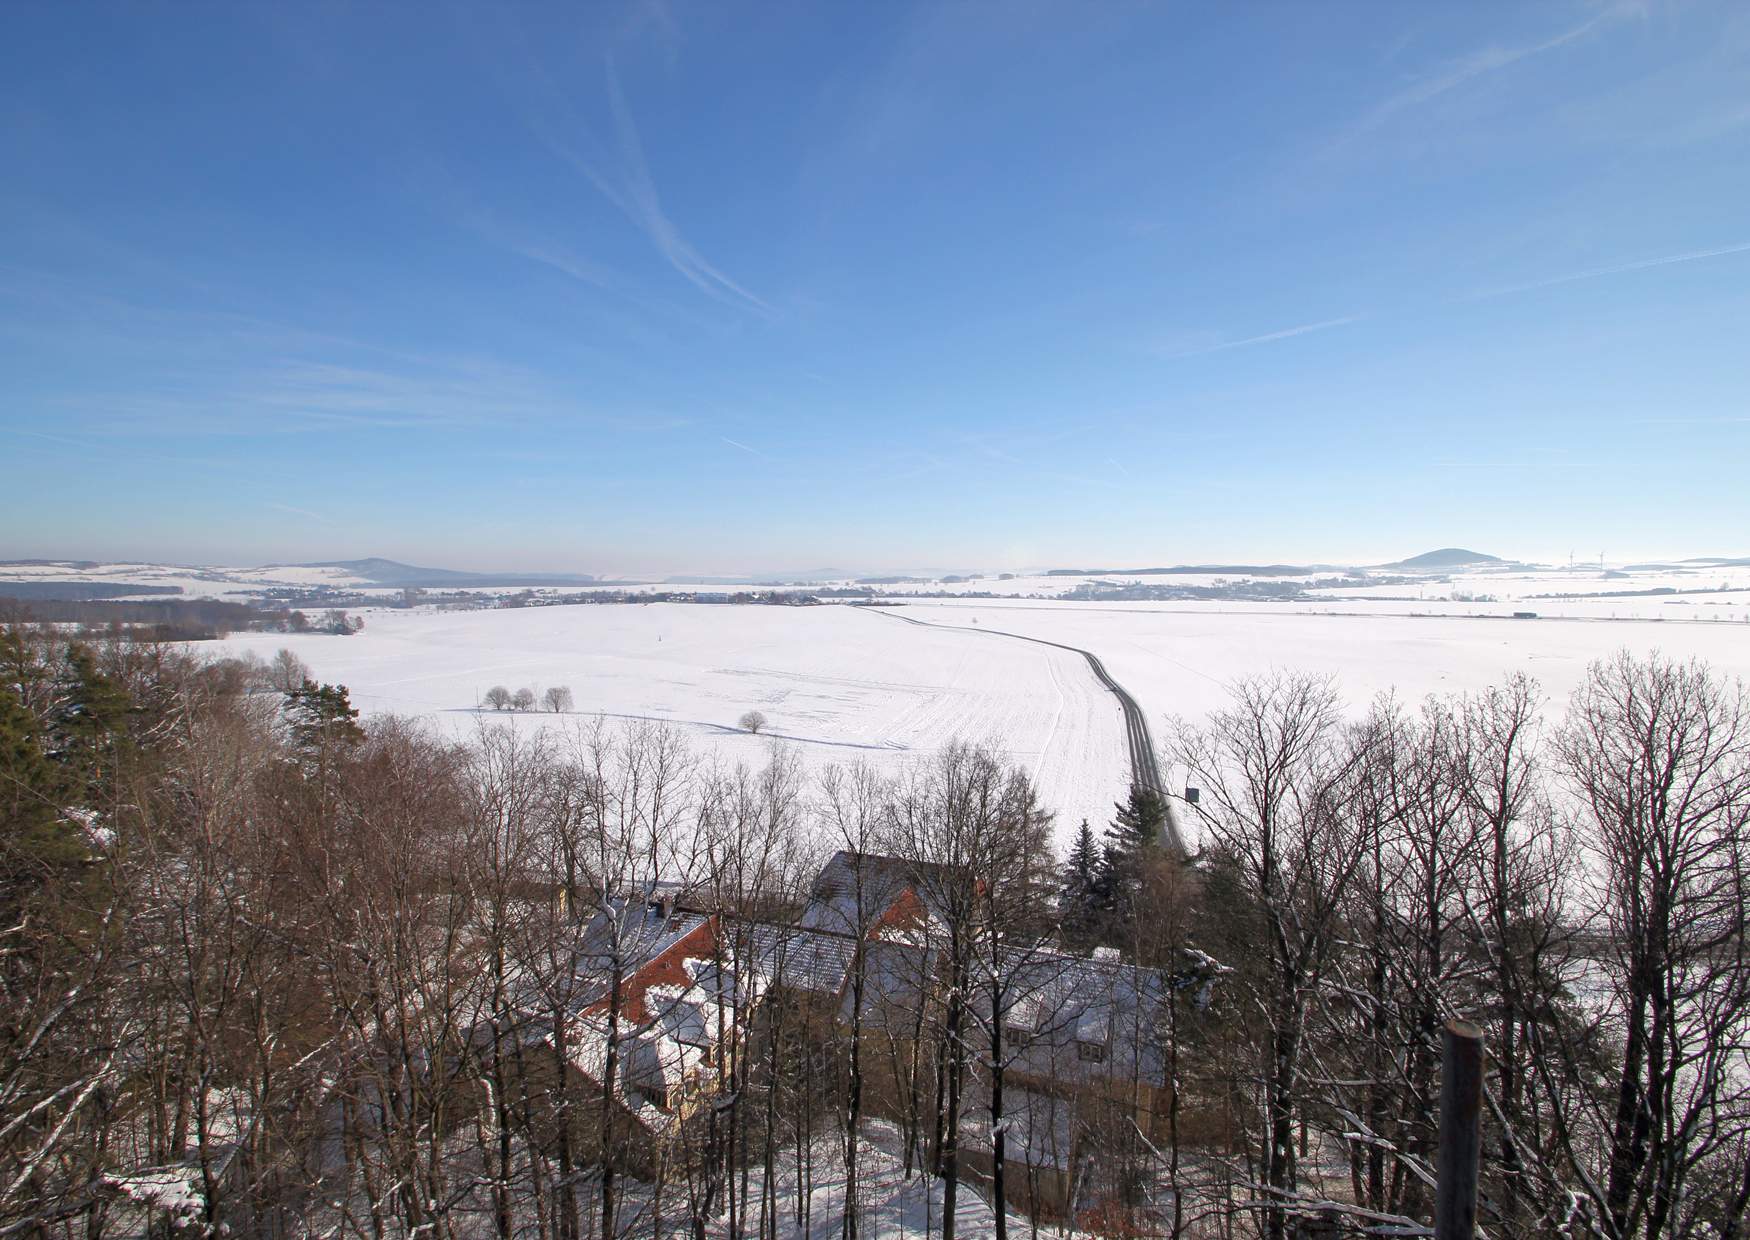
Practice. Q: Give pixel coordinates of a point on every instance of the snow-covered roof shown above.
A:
(800, 959)
(866, 894)
(635, 931)
(679, 995)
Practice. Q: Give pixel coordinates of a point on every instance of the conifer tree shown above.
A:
(1079, 898)
(36, 841)
(1134, 834)
(92, 724)
(322, 715)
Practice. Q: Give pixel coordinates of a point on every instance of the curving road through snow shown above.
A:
(1144, 767)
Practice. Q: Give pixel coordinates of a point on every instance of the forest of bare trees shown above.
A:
(269, 969)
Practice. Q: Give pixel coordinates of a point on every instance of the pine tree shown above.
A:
(1134, 834)
(1079, 897)
(37, 843)
(92, 724)
(322, 715)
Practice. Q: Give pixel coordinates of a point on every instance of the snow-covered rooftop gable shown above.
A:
(867, 894)
(808, 960)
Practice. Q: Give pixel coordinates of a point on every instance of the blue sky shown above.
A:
(668, 287)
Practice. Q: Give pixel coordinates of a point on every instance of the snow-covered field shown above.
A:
(839, 683)
(842, 683)
(1177, 658)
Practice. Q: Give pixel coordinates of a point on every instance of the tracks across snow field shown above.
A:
(1145, 771)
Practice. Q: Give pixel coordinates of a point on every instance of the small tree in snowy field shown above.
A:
(523, 699)
(557, 699)
(753, 721)
(498, 697)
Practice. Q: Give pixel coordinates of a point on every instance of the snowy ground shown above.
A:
(1177, 658)
(842, 683)
(889, 1203)
(839, 683)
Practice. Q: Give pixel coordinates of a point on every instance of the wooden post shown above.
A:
(1461, 1097)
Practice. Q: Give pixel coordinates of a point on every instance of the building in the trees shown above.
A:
(868, 895)
(1083, 1067)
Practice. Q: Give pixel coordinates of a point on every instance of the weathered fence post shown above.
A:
(1461, 1097)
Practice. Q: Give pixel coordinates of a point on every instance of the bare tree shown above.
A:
(287, 671)
(964, 817)
(856, 809)
(634, 790)
(557, 699)
(523, 699)
(1518, 892)
(498, 697)
(1012, 938)
(746, 842)
(753, 721)
(1658, 754)
(508, 773)
(1273, 766)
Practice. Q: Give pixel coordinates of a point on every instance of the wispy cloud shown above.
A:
(916, 464)
(1205, 344)
(1539, 464)
(632, 189)
(656, 18)
(538, 249)
(1477, 64)
(255, 393)
(1592, 273)
(996, 449)
(638, 198)
(616, 167)
(302, 512)
(1704, 420)
(736, 443)
(97, 447)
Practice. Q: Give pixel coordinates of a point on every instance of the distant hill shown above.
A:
(383, 572)
(1224, 570)
(1447, 557)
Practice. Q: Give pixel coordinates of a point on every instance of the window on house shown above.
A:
(1017, 1036)
(1091, 1052)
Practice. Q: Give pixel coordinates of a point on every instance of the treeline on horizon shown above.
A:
(169, 620)
(248, 941)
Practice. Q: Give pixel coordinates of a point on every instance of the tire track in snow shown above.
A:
(1144, 769)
